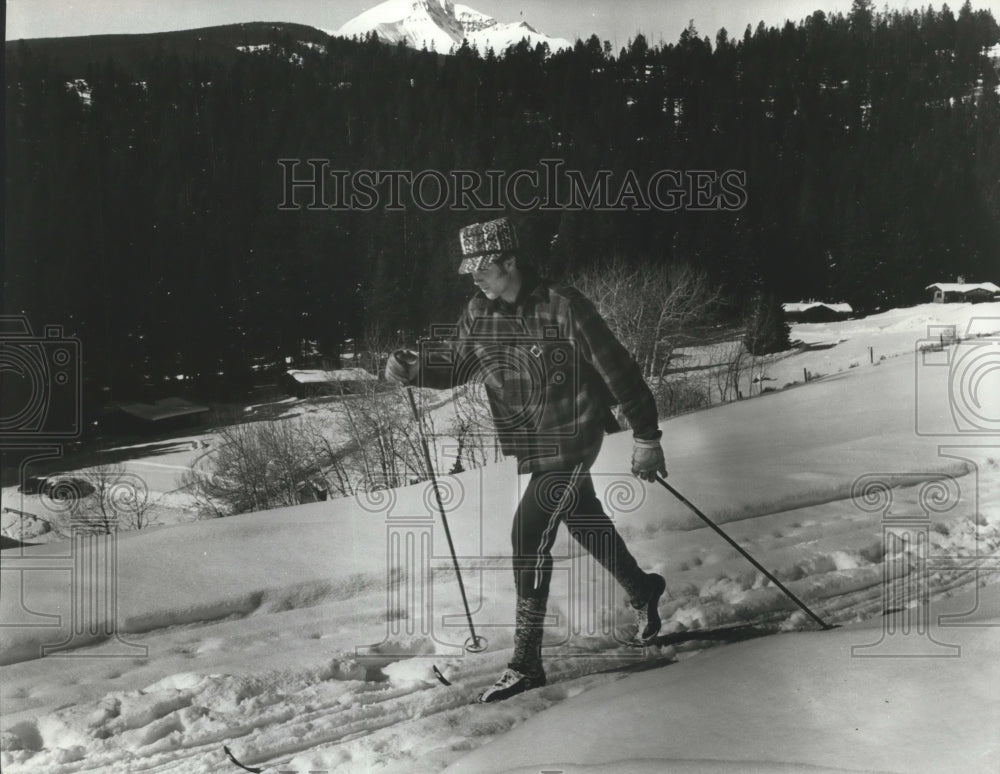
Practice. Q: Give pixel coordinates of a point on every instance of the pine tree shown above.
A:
(767, 330)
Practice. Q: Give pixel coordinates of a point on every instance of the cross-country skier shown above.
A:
(552, 370)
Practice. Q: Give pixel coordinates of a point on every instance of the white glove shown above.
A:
(647, 459)
(402, 367)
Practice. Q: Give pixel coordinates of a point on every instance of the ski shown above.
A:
(278, 768)
(648, 662)
(733, 633)
(232, 758)
(441, 678)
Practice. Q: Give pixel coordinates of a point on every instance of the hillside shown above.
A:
(821, 350)
(133, 52)
(298, 636)
(186, 246)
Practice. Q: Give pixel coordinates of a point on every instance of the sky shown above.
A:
(613, 20)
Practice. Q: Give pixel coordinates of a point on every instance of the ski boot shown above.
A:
(647, 616)
(511, 683)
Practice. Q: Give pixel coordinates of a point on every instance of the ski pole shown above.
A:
(735, 545)
(475, 646)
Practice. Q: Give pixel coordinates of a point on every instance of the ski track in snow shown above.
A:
(307, 710)
(325, 708)
(352, 709)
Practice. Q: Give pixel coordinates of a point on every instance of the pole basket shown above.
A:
(476, 644)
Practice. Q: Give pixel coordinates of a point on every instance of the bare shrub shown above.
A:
(321, 439)
(675, 396)
(478, 444)
(385, 443)
(256, 466)
(120, 500)
(734, 372)
(728, 364)
(377, 342)
(368, 442)
(651, 308)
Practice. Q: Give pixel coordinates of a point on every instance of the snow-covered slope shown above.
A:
(807, 702)
(826, 349)
(416, 22)
(442, 25)
(305, 636)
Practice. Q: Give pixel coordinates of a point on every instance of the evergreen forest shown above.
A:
(147, 209)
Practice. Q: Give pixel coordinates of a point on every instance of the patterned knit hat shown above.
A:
(483, 243)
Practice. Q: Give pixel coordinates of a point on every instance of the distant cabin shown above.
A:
(817, 311)
(344, 381)
(963, 292)
(167, 414)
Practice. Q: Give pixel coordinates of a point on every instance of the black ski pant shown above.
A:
(553, 498)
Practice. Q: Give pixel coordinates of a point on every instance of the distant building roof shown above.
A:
(793, 308)
(167, 408)
(964, 287)
(317, 376)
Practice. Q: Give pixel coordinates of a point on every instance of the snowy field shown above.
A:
(304, 638)
(825, 349)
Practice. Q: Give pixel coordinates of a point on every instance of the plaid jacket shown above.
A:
(551, 369)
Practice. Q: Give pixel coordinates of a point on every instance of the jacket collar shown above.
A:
(532, 290)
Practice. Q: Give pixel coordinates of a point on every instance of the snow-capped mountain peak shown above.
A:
(471, 19)
(441, 25)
